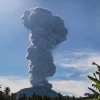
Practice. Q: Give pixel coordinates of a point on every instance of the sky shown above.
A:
(73, 58)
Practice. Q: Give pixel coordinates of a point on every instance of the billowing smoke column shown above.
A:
(46, 32)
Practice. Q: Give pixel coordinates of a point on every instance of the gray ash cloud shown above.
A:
(46, 32)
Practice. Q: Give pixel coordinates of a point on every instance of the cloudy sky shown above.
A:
(72, 58)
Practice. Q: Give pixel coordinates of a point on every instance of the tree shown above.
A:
(96, 80)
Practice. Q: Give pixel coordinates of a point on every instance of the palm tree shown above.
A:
(96, 80)
(7, 91)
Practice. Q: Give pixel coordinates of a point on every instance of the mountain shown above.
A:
(41, 90)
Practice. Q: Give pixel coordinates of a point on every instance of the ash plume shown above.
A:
(46, 32)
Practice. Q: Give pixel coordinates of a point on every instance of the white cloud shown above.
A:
(78, 88)
(81, 60)
(68, 74)
(14, 82)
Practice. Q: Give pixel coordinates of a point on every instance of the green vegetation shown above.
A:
(96, 80)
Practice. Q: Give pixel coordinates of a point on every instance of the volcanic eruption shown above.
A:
(46, 32)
